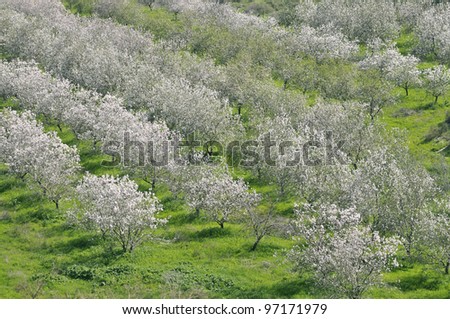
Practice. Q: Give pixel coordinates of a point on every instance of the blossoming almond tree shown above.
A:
(363, 20)
(117, 209)
(41, 157)
(437, 81)
(435, 239)
(345, 257)
(90, 116)
(220, 196)
(393, 193)
(401, 70)
(433, 29)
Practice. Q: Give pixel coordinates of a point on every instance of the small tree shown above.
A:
(375, 91)
(393, 66)
(114, 207)
(404, 72)
(437, 81)
(276, 152)
(432, 31)
(220, 197)
(345, 257)
(435, 239)
(262, 224)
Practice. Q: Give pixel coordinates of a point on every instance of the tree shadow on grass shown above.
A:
(182, 219)
(211, 232)
(263, 248)
(40, 214)
(23, 201)
(427, 106)
(86, 250)
(8, 182)
(416, 281)
(79, 242)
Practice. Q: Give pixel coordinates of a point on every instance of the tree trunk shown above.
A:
(255, 244)
(447, 266)
(406, 91)
(75, 134)
(153, 178)
(436, 99)
(408, 245)
(282, 186)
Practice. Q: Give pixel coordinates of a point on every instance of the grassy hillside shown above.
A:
(42, 256)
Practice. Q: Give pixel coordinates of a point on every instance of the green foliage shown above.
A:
(80, 272)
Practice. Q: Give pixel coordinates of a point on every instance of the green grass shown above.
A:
(38, 245)
(417, 114)
(406, 42)
(417, 282)
(41, 256)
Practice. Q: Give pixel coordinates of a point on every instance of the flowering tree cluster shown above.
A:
(371, 171)
(110, 59)
(263, 223)
(433, 32)
(117, 209)
(179, 89)
(364, 195)
(41, 157)
(394, 193)
(435, 239)
(344, 255)
(323, 43)
(219, 196)
(393, 66)
(361, 20)
(437, 81)
(36, 91)
(90, 115)
(222, 14)
(410, 12)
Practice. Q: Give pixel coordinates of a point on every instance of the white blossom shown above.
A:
(437, 81)
(344, 256)
(219, 196)
(393, 66)
(117, 209)
(41, 157)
